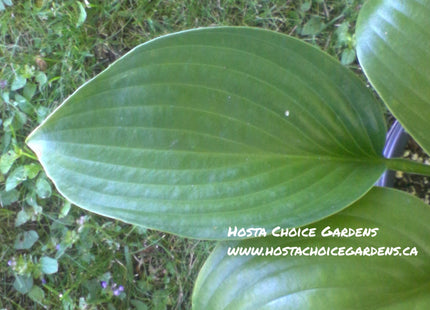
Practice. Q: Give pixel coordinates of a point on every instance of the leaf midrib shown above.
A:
(371, 160)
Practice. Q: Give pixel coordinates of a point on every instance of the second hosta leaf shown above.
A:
(387, 268)
(201, 130)
(393, 46)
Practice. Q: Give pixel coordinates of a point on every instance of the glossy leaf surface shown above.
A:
(200, 130)
(329, 282)
(393, 46)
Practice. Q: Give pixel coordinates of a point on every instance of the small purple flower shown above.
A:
(57, 247)
(117, 290)
(43, 281)
(103, 284)
(11, 262)
(3, 84)
(81, 220)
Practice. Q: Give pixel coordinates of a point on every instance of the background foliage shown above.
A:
(54, 255)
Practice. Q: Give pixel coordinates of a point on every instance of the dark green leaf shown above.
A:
(348, 57)
(329, 282)
(21, 218)
(201, 130)
(36, 294)
(23, 284)
(29, 90)
(313, 26)
(306, 6)
(8, 198)
(19, 120)
(25, 240)
(24, 105)
(393, 47)
(139, 305)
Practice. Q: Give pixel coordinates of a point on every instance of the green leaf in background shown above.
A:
(5, 96)
(24, 105)
(347, 57)
(32, 201)
(200, 130)
(42, 112)
(329, 282)
(19, 120)
(7, 160)
(32, 170)
(8, 2)
(22, 217)
(138, 304)
(313, 26)
(8, 198)
(29, 90)
(25, 240)
(393, 47)
(49, 265)
(15, 177)
(36, 294)
(23, 284)
(306, 6)
(43, 188)
(65, 209)
(41, 78)
(82, 14)
(18, 82)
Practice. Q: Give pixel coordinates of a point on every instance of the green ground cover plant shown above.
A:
(60, 256)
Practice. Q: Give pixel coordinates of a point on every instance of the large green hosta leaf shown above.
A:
(393, 46)
(330, 282)
(197, 131)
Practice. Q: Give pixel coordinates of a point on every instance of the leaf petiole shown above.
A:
(407, 166)
(28, 155)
